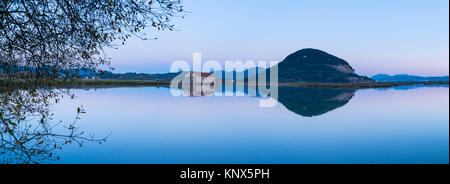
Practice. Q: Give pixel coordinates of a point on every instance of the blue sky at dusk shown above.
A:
(374, 36)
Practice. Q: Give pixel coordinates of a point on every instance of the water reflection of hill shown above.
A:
(311, 102)
(306, 102)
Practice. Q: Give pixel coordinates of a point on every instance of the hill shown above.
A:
(312, 65)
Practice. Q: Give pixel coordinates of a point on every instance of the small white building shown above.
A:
(202, 83)
(200, 78)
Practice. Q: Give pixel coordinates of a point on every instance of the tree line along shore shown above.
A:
(124, 83)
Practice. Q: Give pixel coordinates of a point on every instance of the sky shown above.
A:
(374, 36)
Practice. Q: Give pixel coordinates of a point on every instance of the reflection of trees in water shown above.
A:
(28, 133)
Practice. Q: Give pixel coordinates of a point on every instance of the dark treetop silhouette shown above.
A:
(44, 43)
(53, 35)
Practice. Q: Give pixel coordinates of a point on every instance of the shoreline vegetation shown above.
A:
(137, 83)
(293, 84)
(364, 85)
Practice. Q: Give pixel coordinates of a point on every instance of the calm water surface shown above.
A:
(308, 125)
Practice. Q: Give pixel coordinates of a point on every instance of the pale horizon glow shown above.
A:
(374, 36)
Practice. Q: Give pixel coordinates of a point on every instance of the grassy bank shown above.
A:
(136, 83)
(294, 84)
(118, 83)
(364, 85)
(113, 83)
(23, 84)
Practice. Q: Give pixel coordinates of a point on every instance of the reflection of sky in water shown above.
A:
(150, 126)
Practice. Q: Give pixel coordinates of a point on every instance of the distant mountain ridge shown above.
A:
(138, 76)
(303, 66)
(306, 65)
(240, 76)
(407, 78)
(167, 77)
(9, 69)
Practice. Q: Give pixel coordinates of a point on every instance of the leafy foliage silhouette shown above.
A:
(44, 44)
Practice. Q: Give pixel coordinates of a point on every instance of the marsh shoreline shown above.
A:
(142, 83)
(106, 83)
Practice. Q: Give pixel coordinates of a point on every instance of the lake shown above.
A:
(308, 125)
